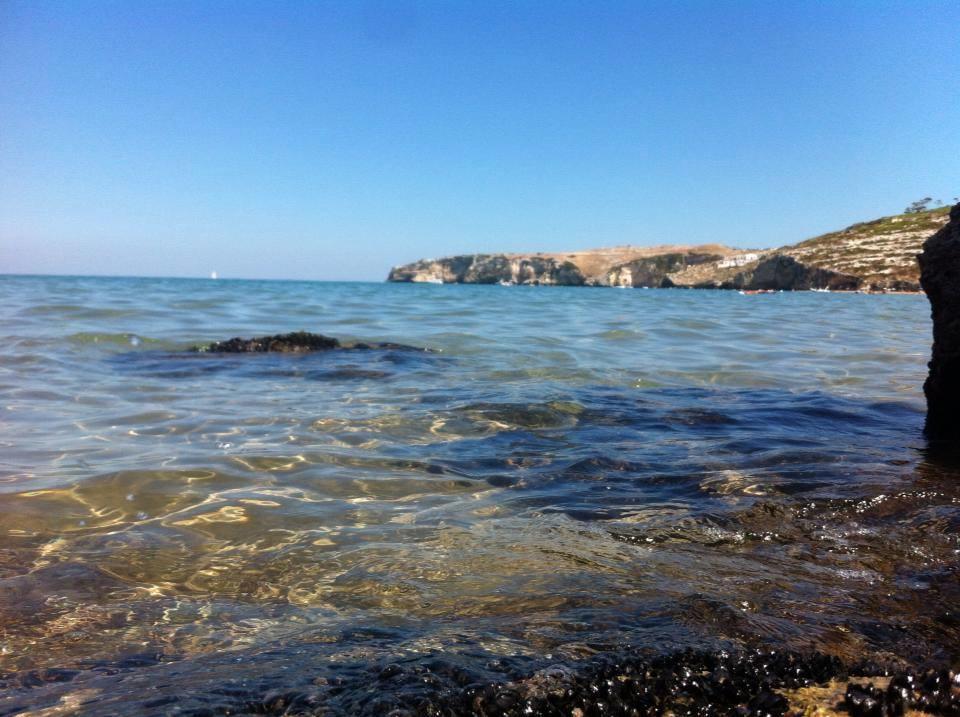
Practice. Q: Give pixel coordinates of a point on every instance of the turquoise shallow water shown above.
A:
(567, 471)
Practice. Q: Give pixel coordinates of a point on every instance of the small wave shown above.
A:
(76, 311)
(621, 335)
(199, 304)
(126, 341)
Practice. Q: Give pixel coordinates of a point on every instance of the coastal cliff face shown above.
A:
(616, 266)
(490, 269)
(774, 271)
(940, 276)
(786, 272)
(882, 253)
(655, 271)
(876, 256)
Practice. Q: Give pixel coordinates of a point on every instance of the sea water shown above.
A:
(566, 472)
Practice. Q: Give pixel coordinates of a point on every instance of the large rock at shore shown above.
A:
(940, 278)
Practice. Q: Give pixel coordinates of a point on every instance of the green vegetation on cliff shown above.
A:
(882, 252)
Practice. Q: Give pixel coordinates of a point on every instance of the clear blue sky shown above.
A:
(331, 140)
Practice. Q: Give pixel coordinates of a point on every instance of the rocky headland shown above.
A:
(878, 255)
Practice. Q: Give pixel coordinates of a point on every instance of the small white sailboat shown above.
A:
(213, 275)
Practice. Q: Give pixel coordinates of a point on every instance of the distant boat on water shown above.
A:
(213, 275)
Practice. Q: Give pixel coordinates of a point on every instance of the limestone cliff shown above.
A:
(878, 255)
(490, 269)
(771, 271)
(614, 266)
(656, 271)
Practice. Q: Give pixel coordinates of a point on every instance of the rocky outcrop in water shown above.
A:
(876, 256)
(295, 342)
(940, 276)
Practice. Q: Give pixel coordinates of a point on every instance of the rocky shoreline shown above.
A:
(872, 257)
(620, 683)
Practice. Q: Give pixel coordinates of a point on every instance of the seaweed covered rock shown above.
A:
(758, 683)
(940, 278)
(628, 682)
(294, 342)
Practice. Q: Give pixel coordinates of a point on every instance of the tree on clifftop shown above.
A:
(918, 206)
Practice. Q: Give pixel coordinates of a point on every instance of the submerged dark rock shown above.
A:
(940, 278)
(294, 342)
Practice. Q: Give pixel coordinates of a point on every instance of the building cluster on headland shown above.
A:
(875, 256)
